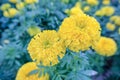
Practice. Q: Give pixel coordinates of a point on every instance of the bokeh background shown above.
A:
(20, 20)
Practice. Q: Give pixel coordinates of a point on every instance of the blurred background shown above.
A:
(20, 20)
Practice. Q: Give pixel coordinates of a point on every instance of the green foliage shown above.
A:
(48, 15)
(12, 57)
(74, 66)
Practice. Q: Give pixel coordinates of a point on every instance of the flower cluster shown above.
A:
(77, 33)
(82, 32)
(105, 11)
(115, 19)
(114, 23)
(9, 11)
(59, 41)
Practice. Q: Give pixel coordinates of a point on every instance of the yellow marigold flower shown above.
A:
(33, 30)
(81, 32)
(99, 13)
(6, 14)
(76, 40)
(45, 47)
(117, 21)
(86, 8)
(78, 4)
(26, 69)
(110, 26)
(106, 46)
(76, 10)
(113, 18)
(92, 2)
(108, 10)
(12, 12)
(20, 5)
(5, 6)
(13, 1)
(106, 2)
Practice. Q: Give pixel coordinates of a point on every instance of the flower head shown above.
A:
(86, 8)
(6, 14)
(105, 11)
(80, 32)
(110, 26)
(33, 30)
(78, 4)
(26, 69)
(76, 40)
(99, 13)
(11, 12)
(74, 11)
(20, 5)
(92, 2)
(106, 2)
(117, 21)
(108, 10)
(106, 46)
(113, 18)
(5, 6)
(45, 47)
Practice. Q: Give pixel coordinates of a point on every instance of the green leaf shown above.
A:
(90, 72)
(33, 72)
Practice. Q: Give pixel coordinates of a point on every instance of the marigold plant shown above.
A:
(24, 71)
(106, 46)
(84, 30)
(46, 47)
